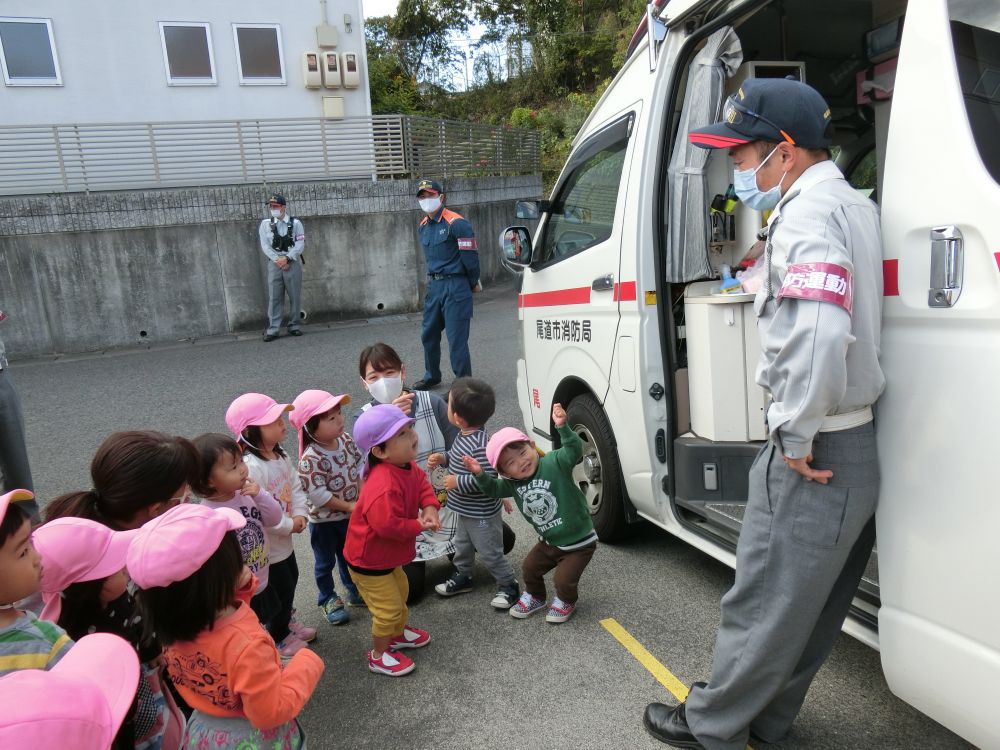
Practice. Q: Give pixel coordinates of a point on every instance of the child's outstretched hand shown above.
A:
(472, 465)
(251, 488)
(558, 415)
(434, 460)
(508, 505)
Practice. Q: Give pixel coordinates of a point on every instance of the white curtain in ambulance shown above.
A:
(688, 199)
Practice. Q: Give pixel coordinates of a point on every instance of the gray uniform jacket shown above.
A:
(819, 336)
(282, 226)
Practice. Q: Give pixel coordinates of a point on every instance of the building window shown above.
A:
(187, 53)
(258, 53)
(28, 52)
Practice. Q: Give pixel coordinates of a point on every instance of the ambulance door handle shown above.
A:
(603, 283)
(947, 265)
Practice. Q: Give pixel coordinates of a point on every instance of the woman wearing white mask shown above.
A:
(383, 374)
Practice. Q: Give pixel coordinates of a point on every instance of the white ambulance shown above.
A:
(621, 320)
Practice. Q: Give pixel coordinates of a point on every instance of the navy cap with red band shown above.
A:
(770, 109)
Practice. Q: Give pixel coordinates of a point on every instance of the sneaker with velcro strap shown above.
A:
(459, 583)
(391, 663)
(526, 606)
(506, 597)
(410, 638)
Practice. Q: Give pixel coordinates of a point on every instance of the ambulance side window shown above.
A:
(975, 34)
(583, 212)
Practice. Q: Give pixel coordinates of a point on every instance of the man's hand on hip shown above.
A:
(801, 466)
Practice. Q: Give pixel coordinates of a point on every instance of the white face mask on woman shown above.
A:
(386, 390)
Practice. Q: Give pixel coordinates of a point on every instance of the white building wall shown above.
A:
(113, 67)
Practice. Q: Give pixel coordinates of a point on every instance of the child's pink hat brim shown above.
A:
(13, 496)
(253, 409)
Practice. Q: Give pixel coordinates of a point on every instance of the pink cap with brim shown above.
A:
(172, 547)
(75, 550)
(14, 496)
(80, 702)
(500, 440)
(253, 409)
(310, 403)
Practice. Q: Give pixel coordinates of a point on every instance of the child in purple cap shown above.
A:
(397, 502)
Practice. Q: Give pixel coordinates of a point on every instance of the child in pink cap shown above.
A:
(25, 641)
(330, 471)
(397, 502)
(79, 703)
(258, 423)
(189, 568)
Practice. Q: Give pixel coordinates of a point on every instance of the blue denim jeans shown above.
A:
(327, 540)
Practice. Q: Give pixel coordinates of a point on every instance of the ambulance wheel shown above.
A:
(599, 473)
(509, 537)
(416, 574)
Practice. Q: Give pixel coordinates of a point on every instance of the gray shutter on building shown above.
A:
(688, 199)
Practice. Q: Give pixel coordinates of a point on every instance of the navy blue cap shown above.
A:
(770, 109)
(278, 198)
(429, 186)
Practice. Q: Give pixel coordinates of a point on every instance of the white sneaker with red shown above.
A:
(391, 663)
(560, 611)
(290, 646)
(411, 638)
(302, 632)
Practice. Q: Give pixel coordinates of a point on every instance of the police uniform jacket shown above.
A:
(450, 246)
(820, 308)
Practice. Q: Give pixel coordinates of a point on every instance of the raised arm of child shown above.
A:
(488, 485)
(271, 695)
(570, 451)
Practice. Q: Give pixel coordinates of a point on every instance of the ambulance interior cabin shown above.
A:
(847, 50)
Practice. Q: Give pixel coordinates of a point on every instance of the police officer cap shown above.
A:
(429, 186)
(770, 109)
(278, 198)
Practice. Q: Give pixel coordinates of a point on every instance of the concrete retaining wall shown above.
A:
(87, 273)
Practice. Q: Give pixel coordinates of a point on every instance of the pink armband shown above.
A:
(820, 282)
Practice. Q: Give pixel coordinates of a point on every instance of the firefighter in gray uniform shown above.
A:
(282, 240)
(809, 526)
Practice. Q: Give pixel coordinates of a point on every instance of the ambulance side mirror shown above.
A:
(515, 246)
(530, 210)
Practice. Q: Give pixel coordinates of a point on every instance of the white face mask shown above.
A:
(386, 390)
(276, 212)
(430, 205)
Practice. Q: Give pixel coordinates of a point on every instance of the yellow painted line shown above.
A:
(663, 675)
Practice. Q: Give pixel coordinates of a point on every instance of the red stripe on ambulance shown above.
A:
(577, 296)
(890, 277)
(625, 291)
(996, 257)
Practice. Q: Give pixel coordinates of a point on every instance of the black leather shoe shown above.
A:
(270, 336)
(296, 332)
(426, 384)
(669, 724)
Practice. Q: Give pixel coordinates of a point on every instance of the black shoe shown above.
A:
(459, 583)
(669, 724)
(506, 597)
(296, 332)
(426, 384)
(270, 336)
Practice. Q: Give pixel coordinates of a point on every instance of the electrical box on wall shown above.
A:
(331, 70)
(326, 35)
(349, 70)
(333, 107)
(310, 70)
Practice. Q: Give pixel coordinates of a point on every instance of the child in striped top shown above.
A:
(471, 403)
(25, 641)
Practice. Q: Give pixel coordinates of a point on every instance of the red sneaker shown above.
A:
(411, 638)
(391, 663)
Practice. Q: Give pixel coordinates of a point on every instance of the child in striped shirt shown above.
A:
(471, 403)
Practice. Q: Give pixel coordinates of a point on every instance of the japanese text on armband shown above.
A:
(821, 282)
(563, 330)
(467, 243)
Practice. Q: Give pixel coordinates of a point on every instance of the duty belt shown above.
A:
(838, 422)
(440, 276)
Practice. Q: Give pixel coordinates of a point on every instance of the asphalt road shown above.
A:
(486, 680)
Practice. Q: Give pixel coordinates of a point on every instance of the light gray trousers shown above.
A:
(485, 536)
(800, 557)
(279, 282)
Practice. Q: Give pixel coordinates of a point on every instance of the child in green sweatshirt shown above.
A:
(547, 496)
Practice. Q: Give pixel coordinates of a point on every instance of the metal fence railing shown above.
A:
(77, 158)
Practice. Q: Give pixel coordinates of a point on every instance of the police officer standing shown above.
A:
(809, 525)
(282, 240)
(453, 275)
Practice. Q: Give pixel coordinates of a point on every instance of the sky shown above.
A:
(379, 7)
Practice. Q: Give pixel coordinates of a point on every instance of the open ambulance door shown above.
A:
(938, 422)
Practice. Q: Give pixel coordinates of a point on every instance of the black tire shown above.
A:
(416, 575)
(599, 474)
(509, 537)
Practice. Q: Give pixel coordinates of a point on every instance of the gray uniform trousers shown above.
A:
(279, 282)
(13, 452)
(800, 557)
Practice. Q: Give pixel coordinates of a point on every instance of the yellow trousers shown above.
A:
(386, 600)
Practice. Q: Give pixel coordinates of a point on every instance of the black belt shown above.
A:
(440, 276)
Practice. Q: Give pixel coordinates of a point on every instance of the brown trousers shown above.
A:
(569, 567)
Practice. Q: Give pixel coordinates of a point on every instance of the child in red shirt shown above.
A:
(397, 502)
